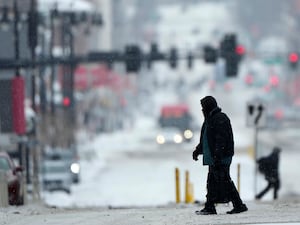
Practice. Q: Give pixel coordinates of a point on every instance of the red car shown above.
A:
(14, 179)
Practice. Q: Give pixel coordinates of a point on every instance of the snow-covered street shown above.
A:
(127, 168)
(127, 177)
(283, 212)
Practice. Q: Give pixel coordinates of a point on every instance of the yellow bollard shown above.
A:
(191, 193)
(238, 177)
(187, 186)
(189, 189)
(250, 151)
(177, 185)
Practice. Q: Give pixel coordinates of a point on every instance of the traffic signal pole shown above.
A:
(52, 70)
(32, 149)
(17, 69)
(20, 145)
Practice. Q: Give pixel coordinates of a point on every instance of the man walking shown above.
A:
(217, 147)
(268, 166)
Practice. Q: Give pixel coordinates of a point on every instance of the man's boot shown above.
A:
(209, 209)
(238, 209)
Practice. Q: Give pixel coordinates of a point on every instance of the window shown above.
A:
(4, 164)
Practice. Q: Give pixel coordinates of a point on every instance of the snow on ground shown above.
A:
(127, 168)
(283, 212)
(126, 179)
(124, 173)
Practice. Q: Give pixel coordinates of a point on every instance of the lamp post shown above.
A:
(17, 69)
(32, 43)
(53, 17)
(32, 22)
(16, 35)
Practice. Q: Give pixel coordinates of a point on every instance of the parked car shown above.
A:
(14, 177)
(70, 157)
(56, 175)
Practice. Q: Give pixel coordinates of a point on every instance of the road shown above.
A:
(280, 212)
(137, 186)
(145, 175)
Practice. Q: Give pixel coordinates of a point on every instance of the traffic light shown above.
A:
(228, 51)
(33, 19)
(173, 58)
(293, 60)
(190, 60)
(133, 58)
(240, 51)
(66, 101)
(232, 65)
(153, 55)
(210, 54)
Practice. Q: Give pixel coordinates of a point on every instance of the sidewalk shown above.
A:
(279, 212)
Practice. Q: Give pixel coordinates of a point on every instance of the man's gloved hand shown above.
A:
(195, 155)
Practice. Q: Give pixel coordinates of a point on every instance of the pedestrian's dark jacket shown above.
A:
(219, 136)
(268, 166)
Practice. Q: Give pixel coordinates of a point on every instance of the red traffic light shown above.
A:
(249, 79)
(240, 50)
(66, 101)
(293, 57)
(274, 80)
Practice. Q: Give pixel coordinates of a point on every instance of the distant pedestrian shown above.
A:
(269, 167)
(217, 147)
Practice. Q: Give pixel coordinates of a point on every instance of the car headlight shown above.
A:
(75, 168)
(160, 139)
(188, 134)
(177, 138)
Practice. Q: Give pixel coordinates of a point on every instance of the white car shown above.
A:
(169, 135)
(70, 157)
(56, 176)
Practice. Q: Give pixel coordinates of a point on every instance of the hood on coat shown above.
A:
(208, 104)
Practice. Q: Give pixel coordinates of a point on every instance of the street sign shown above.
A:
(273, 61)
(257, 118)
(15, 139)
(256, 114)
(9, 140)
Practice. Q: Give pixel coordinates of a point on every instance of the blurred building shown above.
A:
(7, 45)
(101, 39)
(261, 18)
(7, 36)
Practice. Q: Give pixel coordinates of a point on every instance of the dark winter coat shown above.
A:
(219, 136)
(268, 166)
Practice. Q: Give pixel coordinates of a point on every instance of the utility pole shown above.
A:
(21, 151)
(17, 69)
(32, 43)
(53, 13)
